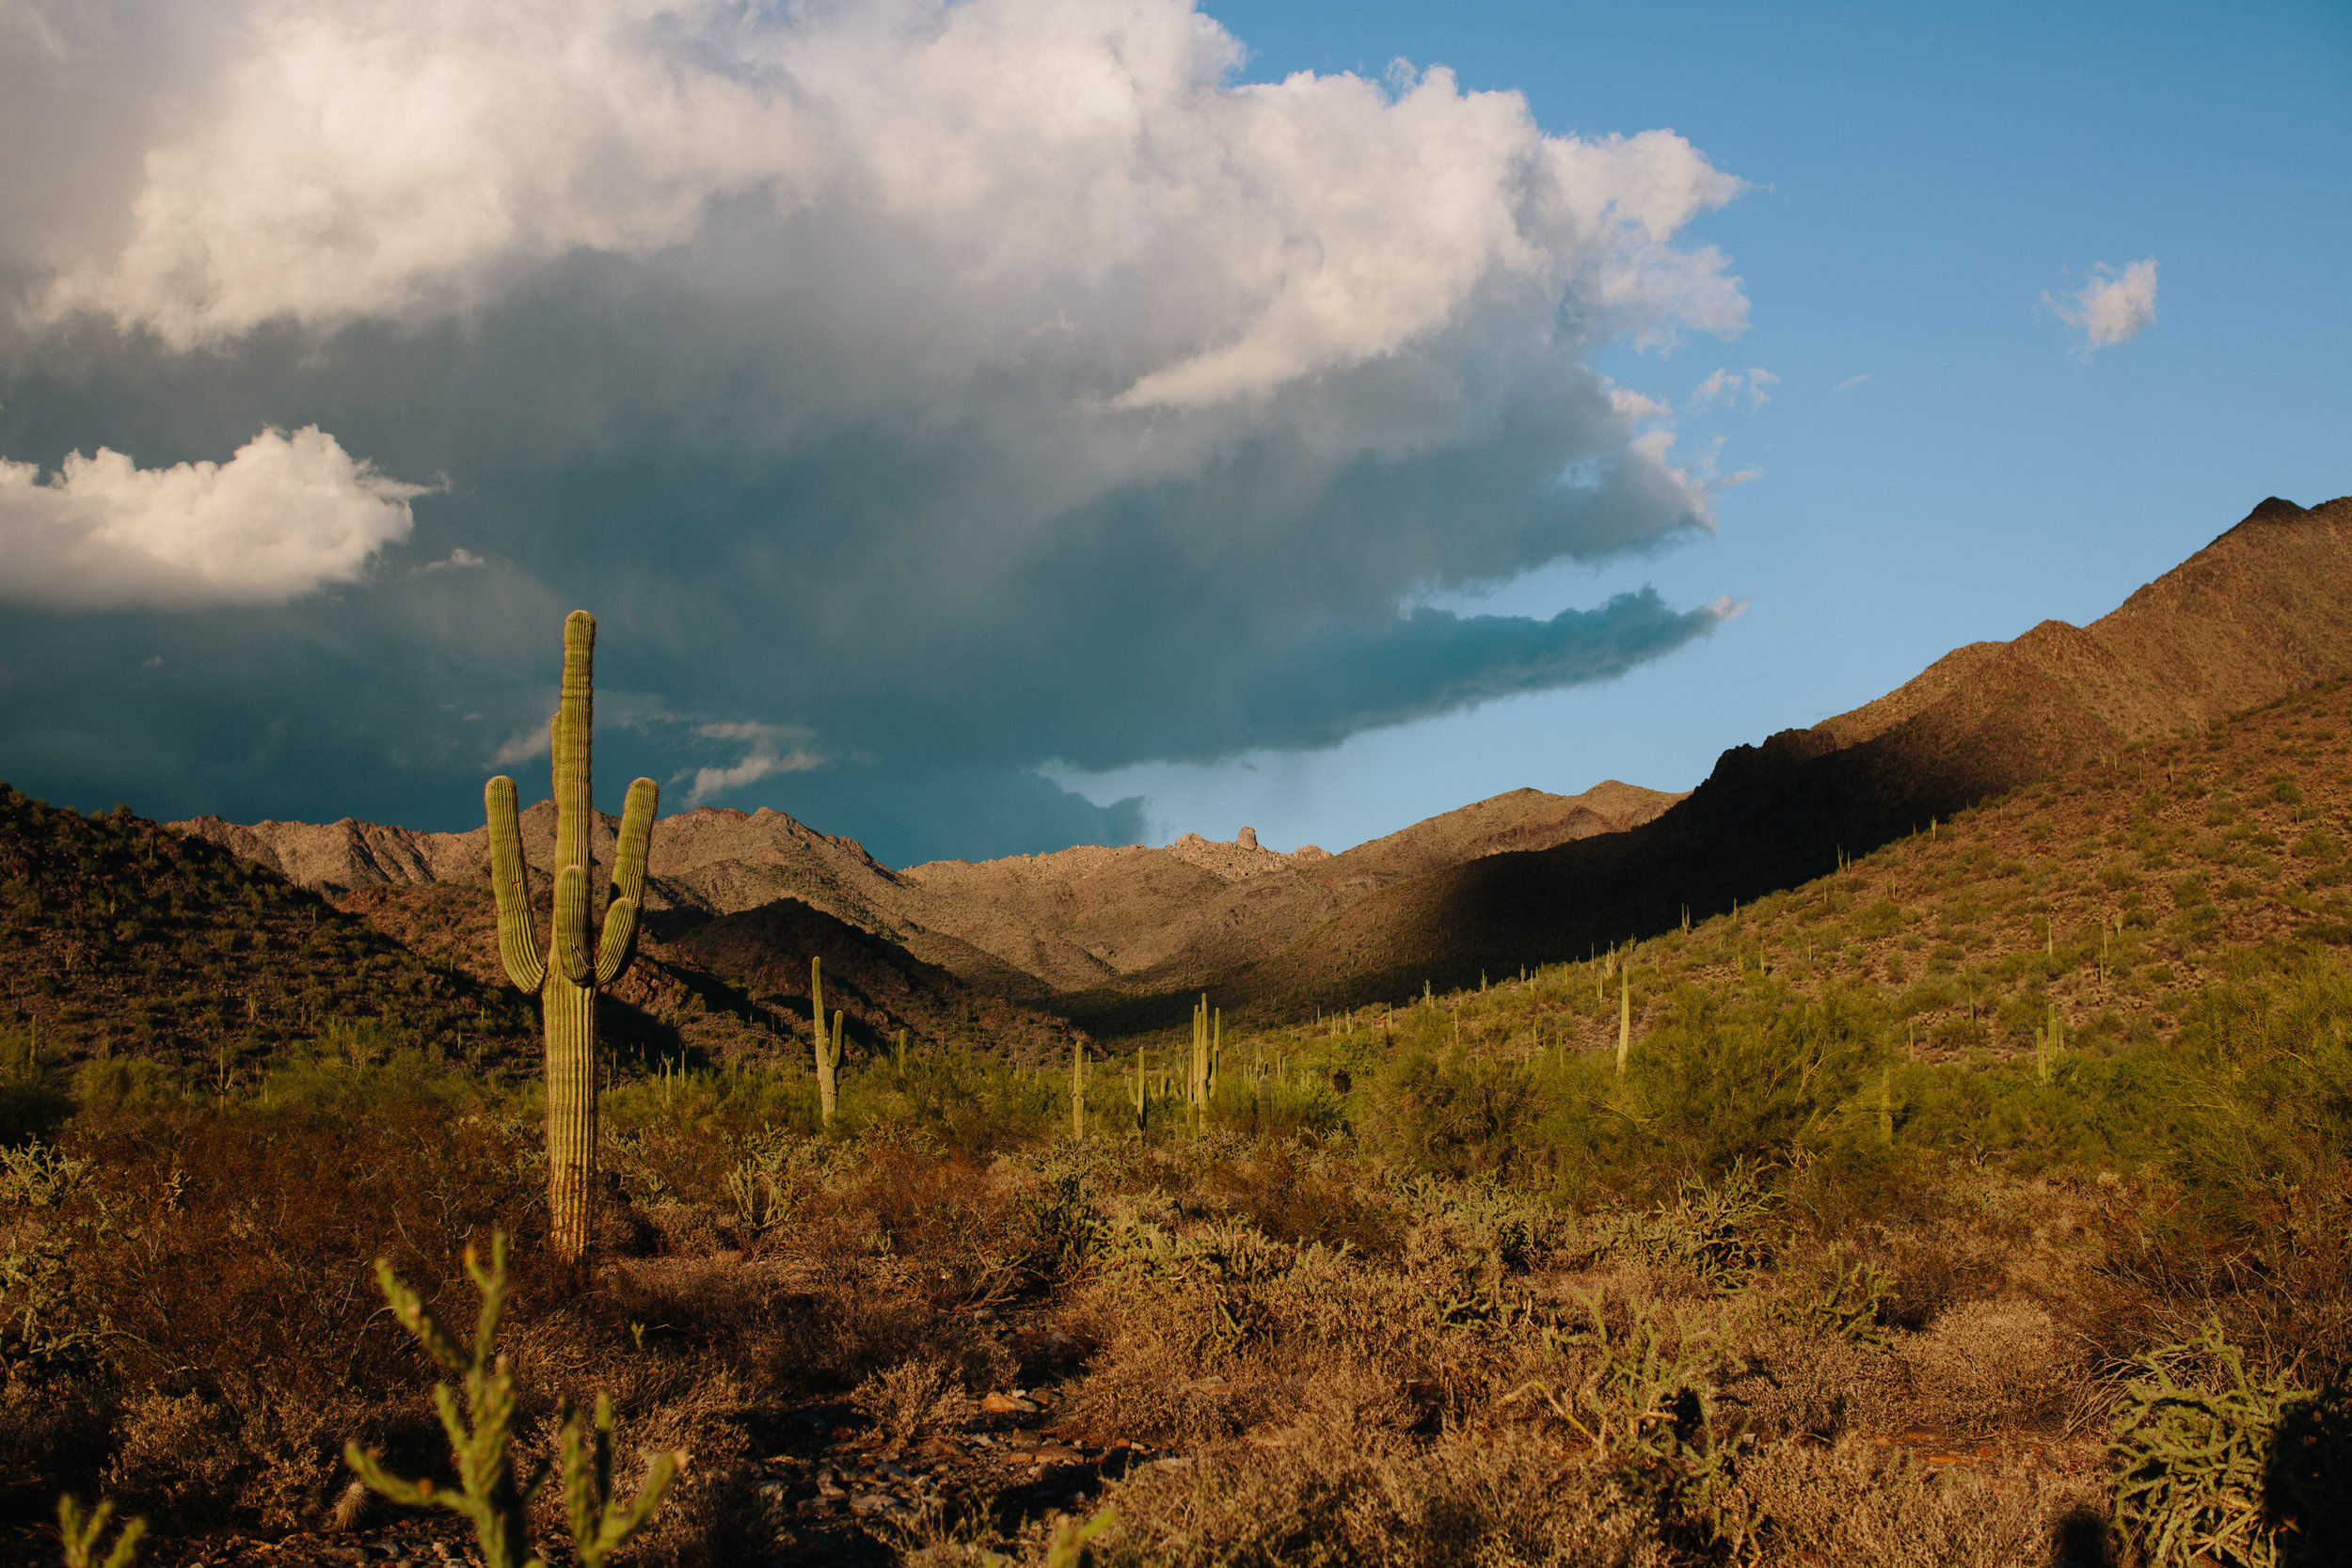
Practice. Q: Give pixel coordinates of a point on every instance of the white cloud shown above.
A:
(457, 560)
(770, 749)
(1852, 381)
(2113, 308)
(285, 514)
(1754, 387)
(1075, 161)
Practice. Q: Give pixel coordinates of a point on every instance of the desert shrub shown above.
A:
(1850, 1503)
(920, 1391)
(1456, 1111)
(1986, 1366)
(1726, 1079)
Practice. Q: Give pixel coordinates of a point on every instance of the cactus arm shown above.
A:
(571, 923)
(81, 1535)
(574, 811)
(602, 1524)
(511, 886)
(629, 881)
(620, 940)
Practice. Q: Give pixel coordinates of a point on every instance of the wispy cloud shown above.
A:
(768, 751)
(2115, 307)
(1753, 386)
(1852, 381)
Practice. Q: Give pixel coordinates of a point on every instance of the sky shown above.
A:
(989, 427)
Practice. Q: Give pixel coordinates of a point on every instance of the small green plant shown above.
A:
(481, 1438)
(80, 1534)
(1067, 1547)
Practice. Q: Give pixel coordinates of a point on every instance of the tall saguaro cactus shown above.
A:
(567, 977)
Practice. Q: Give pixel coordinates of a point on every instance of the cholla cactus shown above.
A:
(567, 977)
(489, 1493)
(80, 1532)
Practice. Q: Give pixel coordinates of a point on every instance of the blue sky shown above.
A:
(987, 427)
(1921, 177)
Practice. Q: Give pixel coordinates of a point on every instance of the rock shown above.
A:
(993, 1403)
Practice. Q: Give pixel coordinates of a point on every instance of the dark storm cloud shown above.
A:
(904, 431)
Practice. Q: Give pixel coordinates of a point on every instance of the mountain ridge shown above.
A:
(1077, 920)
(2252, 617)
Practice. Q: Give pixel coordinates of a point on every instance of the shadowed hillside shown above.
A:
(734, 988)
(127, 940)
(2258, 614)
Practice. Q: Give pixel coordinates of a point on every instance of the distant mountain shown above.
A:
(735, 987)
(1080, 920)
(129, 940)
(2263, 611)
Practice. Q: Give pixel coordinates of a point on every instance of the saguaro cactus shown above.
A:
(1077, 1089)
(1208, 1038)
(567, 977)
(828, 1046)
(1625, 1018)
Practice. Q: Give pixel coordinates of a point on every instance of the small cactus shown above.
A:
(568, 975)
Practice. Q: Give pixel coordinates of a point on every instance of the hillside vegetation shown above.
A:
(129, 943)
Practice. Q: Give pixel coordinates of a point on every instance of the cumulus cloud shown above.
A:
(1753, 386)
(961, 384)
(2115, 307)
(392, 160)
(285, 514)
